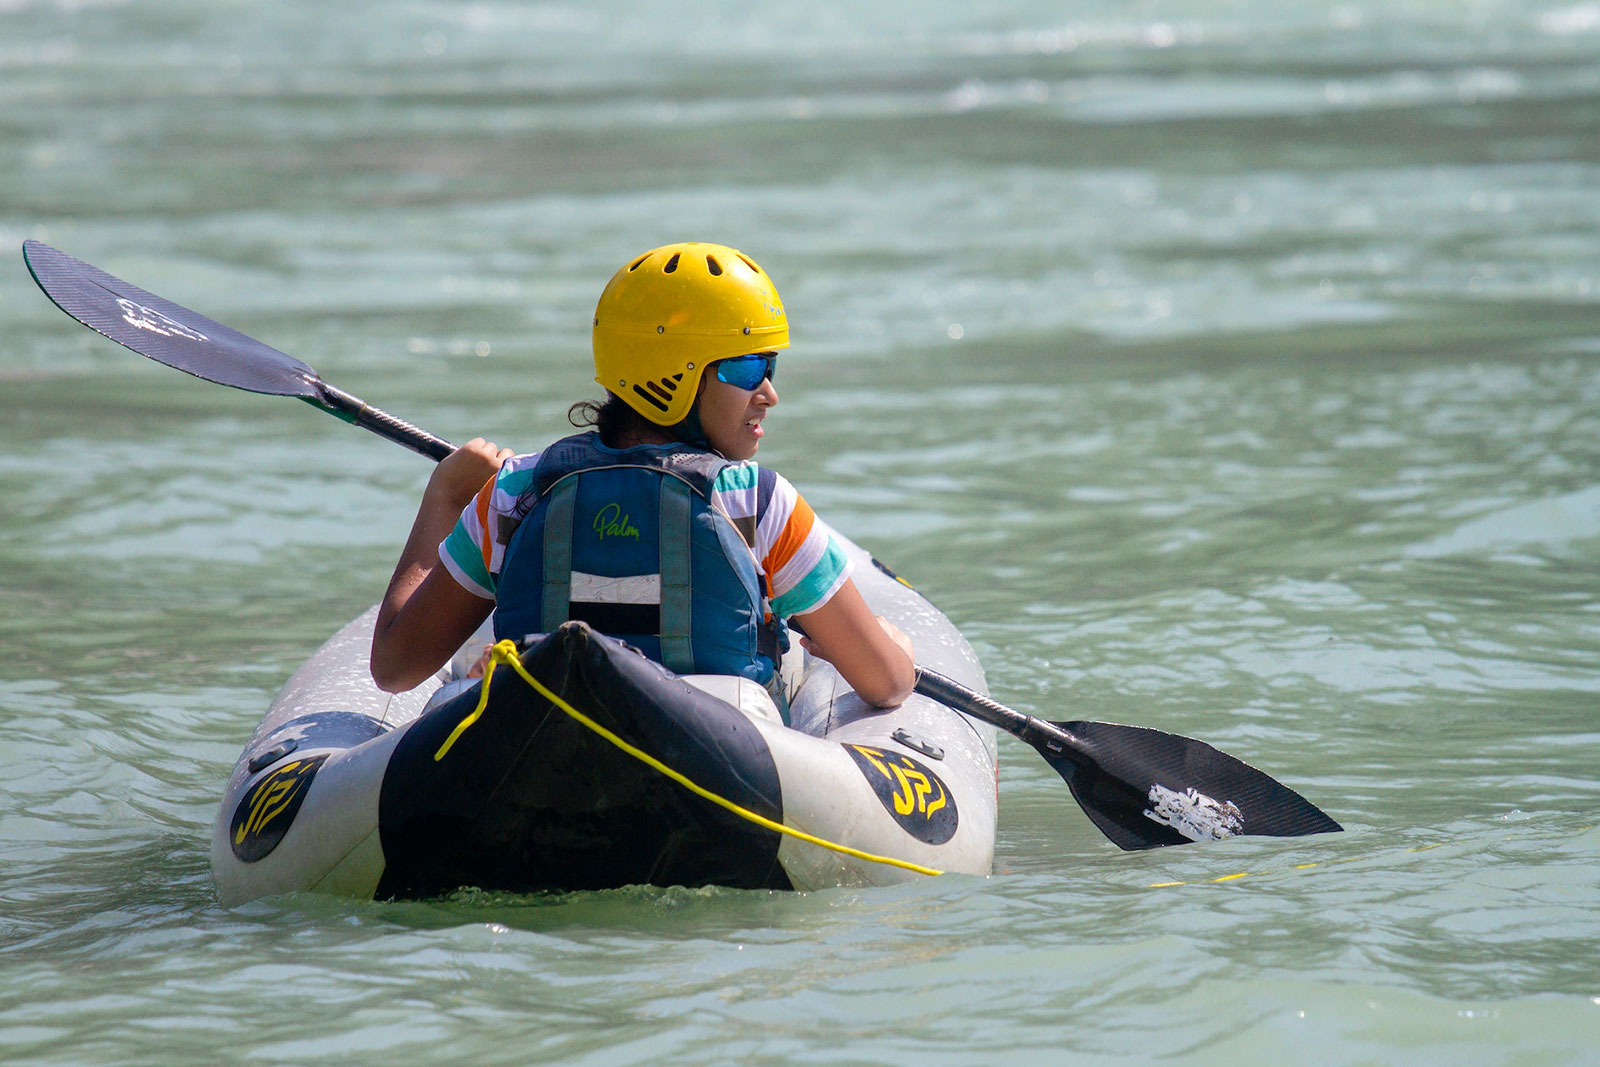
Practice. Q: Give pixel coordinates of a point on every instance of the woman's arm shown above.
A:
(426, 614)
(869, 651)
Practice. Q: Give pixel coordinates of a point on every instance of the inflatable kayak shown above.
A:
(588, 766)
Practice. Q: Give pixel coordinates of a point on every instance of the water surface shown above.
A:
(1232, 372)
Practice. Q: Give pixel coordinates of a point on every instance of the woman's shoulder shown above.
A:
(519, 466)
(748, 477)
(748, 489)
(513, 479)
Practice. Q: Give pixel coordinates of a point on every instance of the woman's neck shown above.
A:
(634, 436)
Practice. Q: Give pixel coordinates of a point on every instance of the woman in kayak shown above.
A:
(656, 528)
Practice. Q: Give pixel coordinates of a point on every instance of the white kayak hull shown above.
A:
(343, 788)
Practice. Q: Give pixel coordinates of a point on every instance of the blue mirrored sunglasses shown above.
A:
(747, 372)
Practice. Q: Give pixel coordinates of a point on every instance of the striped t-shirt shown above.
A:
(802, 565)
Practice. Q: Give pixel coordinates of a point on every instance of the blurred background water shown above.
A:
(1232, 369)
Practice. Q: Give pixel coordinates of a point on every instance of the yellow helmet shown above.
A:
(673, 310)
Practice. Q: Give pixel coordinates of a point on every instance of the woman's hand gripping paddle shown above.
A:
(188, 341)
(1142, 788)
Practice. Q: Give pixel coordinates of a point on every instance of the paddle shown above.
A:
(1142, 788)
(188, 341)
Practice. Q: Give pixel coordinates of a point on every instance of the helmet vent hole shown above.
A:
(672, 264)
(713, 266)
(748, 263)
(650, 398)
(636, 264)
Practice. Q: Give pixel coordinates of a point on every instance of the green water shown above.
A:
(1229, 369)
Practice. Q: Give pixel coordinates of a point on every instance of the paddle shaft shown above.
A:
(358, 412)
(1036, 732)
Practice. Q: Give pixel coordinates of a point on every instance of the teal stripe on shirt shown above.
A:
(730, 479)
(515, 482)
(468, 558)
(805, 596)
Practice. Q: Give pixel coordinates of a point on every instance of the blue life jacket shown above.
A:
(627, 540)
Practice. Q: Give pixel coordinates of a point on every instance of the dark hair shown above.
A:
(612, 417)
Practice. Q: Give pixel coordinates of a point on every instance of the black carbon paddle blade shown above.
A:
(1146, 789)
(164, 331)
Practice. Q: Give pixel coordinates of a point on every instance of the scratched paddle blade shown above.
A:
(165, 332)
(1146, 789)
(1114, 807)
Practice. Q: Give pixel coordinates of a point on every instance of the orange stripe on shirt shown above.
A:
(484, 496)
(793, 536)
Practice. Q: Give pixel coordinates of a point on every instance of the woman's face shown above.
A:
(731, 417)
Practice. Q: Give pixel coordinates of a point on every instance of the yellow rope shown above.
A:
(506, 652)
(1296, 867)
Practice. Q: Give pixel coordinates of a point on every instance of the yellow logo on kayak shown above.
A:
(269, 807)
(910, 791)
